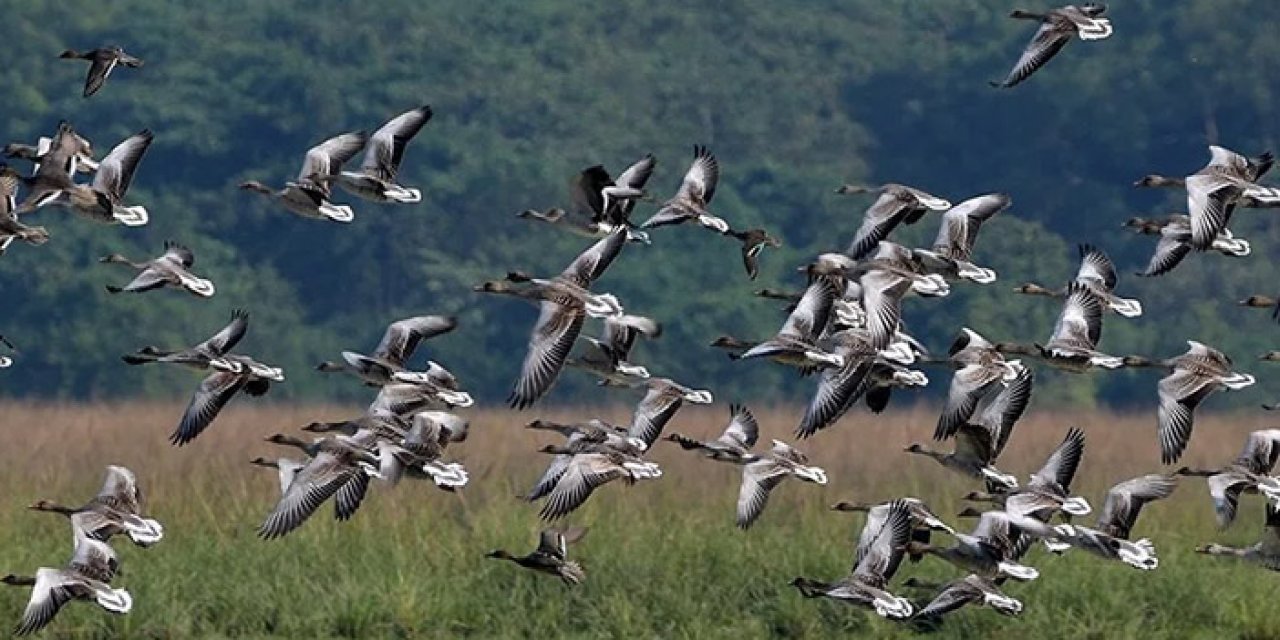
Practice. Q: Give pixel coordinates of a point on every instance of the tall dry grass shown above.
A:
(663, 557)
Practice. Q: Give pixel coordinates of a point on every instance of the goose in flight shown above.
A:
(971, 589)
(87, 576)
(398, 344)
(1174, 244)
(989, 550)
(1057, 28)
(761, 477)
(1213, 193)
(923, 520)
(551, 556)
(564, 302)
(103, 199)
(172, 269)
(1264, 553)
(76, 157)
(896, 204)
(334, 463)
(1074, 344)
(733, 445)
(10, 228)
(587, 469)
(979, 370)
(1248, 472)
(795, 344)
(115, 510)
(1098, 274)
(691, 202)
(218, 388)
(753, 242)
(952, 251)
(608, 357)
(601, 204)
(203, 356)
(308, 195)
(102, 61)
(1110, 539)
(1193, 376)
(866, 372)
(376, 179)
(879, 553)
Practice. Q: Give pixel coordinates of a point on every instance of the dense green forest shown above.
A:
(793, 101)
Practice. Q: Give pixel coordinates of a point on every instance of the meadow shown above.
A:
(663, 558)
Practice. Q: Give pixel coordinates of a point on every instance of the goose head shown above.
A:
(257, 187)
(1032, 288)
(1258, 301)
(499, 554)
(493, 286)
(114, 258)
(846, 506)
(1154, 180)
(969, 512)
(263, 462)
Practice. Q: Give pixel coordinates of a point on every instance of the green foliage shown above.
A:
(793, 102)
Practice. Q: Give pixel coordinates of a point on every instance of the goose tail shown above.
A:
(714, 223)
(135, 216)
(603, 305)
(337, 212)
(1106, 362)
(1096, 29)
(403, 195)
(114, 600)
(1126, 307)
(1077, 506)
(1003, 479)
(633, 370)
(1235, 381)
(144, 532)
(1235, 247)
(1020, 572)
(1139, 555)
(816, 475)
(892, 607)
(1002, 604)
(974, 273)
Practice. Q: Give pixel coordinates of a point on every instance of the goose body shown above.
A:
(761, 477)
(115, 510)
(333, 464)
(1264, 553)
(1175, 242)
(895, 205)
(376, 179)
(1057, 28)
(1213, 193)
(971, 589)
(10, 228)
(1073, 345)
(172, 270)
(880, 549)
(86, 577)
(691, 202)
(551, 556)
(733, 445)
(601, 204)
(398, 344)
(308, 195)
(244, 374)
(608, 357)
(102, 61)
(203, 356)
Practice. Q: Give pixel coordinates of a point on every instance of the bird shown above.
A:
(172, 269)
(115, 510)
(662, 399)
(1110, 540)
(87, 576)
(218, 388)
(1073, 346)
(880, 549)
(795, 344)
(753, 242)
(1175, 243)
(608, 357)
(952, 251)
(1098, 274)
(10, 228)
(384, 151)
(971, 589)
(866, 373)
(334, 462)
(587, 470)
(551, 556)
(1057, 27)
(103, 61)
(1264, 553)
(733, 445)
(398, 344)
(76, 156)
(1192, 377)
(1248, 472)
(691, 202)
(563, 302)
(989, 549)
(896, 204)
(601, 204)
(923, 520)
(979, 371)
(761, 477)
(1263, 302)
(103, 199)
(203, 356)
(1214, 192)
(308, 195)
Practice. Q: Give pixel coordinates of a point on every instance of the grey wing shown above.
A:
(978, 210)
(1169, 254)
(8, 194)
(810, 316)
(53, 590)
(552, 543)
(402, 337)
(1209, 207)
(838, 389)
(1097, 266)
(758, 480)
(230, 335)
(347, 499)
(620, 333)
(178, 254)
(386, 146)
(549, 345)
(637, 175)
(120, 489)
(1261, 449)
(953, 596)
(591, 264)
(1180, 393)
(882, 300)
(953, 236)
(1126, 499)
(1046, 43)
(1003, 409)
(969, 386)
(549, 478)
(149, 279)
(323, 476)
(879, 558)
(700, 180)
(743, 430)
(653, 413)
(327, 158)
(882, 217)
(1080, 321)
(1061, 466)
(585, 473)
(115, 172)
(99, 69)
(214, 393)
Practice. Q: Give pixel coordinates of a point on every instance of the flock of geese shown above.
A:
(843, 329)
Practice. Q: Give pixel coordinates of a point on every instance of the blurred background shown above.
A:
(794, 103)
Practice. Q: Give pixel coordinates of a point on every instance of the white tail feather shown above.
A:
(1236, 381)
(144, 532)
(1018, 571)
(633, 370)
(638, 236)
(1077, 506)
(888, 606)
(199, 286)
(456, 398)
(404, 195)
(1056, 546)
(337, 212)
(1139, 555)
(931, 285)
(114, 600)
(712, 222)
(937, 204)
(5, 362)
(910, 378)
(603, 305)
(1126, 307)
(699, 396)
(1106, 362)
(1002, 603)
(643, 470)
(830, 359)
(815, 475)
(135, 216)
(1096, 29)
(451, 474)
(995, 475)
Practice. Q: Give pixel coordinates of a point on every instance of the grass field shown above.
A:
(662, 558)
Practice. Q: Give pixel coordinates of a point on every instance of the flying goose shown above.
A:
(203, 356)
(989, 550)
(753, 242)
(608, 357)
(1264, 553)
(971, 589)
(87, 576)
(923, 521)
(661, 401)
(733, 445)
(172, 269)
(334, 462)
(1264, 302)
(116, 510)
(694, 196)
(761, 477)
(980, 371)
(308, 195)
(896, 204)
(376, 179)
(398, 344)
(586, 471)
(579, 438)
(1119, 514)
(75, 154)
(952, 252)
(1098, 273)
(1074, 344)
(564, 302)
(103, 61)
(551, 556)
(795, 343)
(1192, 377)
(601, 204)
(103, 199)
(880, 549)
(6, 361)
(217, 389)
(1175, 242)
(866, 373)
(1057, 27)
(1213, 192)
(982, 436)
(10, 228)
(1249, 472)
(1048, 490)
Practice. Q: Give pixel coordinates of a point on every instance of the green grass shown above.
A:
(662, 558)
